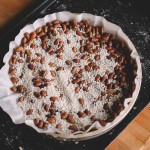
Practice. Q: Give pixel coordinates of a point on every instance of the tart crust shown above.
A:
(109, 27)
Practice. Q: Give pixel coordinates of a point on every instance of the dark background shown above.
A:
(131, 15)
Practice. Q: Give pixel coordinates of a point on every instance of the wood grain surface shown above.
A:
(137, 134)
(10, 8)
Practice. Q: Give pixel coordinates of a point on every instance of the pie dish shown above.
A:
(71, 74)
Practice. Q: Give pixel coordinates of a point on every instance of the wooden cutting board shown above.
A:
(9, 8)
(136, 136)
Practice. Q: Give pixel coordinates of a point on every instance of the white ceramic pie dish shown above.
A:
(8, 98)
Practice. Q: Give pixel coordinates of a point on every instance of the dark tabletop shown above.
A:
(131, 16)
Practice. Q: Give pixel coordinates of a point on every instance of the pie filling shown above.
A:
(71, 74)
